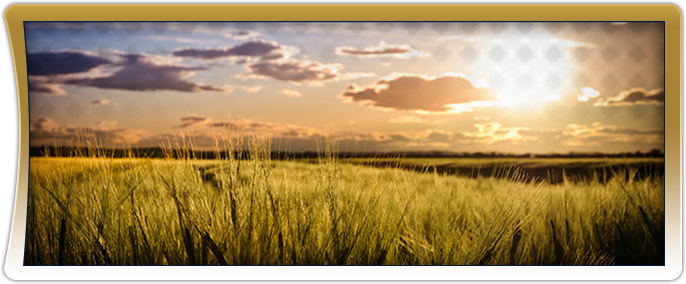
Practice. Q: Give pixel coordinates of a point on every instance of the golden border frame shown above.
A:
(15, 15)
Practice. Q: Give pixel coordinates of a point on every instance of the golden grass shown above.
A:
(256, 211)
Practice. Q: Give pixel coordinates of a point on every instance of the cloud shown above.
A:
(587, 93)
(295, 71)
(179, 39)
(419, 93)
(597, 133)
(492, 132)
(101, 102)
(242, 34)
(264, 59)
(276, 130)
(41, 85)
(434, 135)
(193, 120)
(250, 127)
(393, 138)
(63, 62)
(263, 49)
(575, 142)
(232, 88)
(121, 71)
(291, 93)
(425, 139)
(48, 70)
(44, 130)
(285, 136)
(635, 96)
(383, 50)
(140, 72)
(303, 137)
(356, 75)
(407, 119)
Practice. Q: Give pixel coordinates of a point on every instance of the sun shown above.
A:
(535, 70)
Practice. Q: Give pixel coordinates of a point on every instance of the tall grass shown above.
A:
(181, 210)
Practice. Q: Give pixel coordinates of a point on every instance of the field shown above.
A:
(551, 170)
(99, 210)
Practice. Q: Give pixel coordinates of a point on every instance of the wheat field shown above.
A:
(94, 209)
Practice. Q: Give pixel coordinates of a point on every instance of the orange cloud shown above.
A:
(44, 130)
(492, 132)
(291, 93)
(419, 93)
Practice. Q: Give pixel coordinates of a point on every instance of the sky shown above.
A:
(509, 87)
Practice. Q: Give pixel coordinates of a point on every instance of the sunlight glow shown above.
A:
(554, 96)
(467, 107)
(535, 67)
(514, 39)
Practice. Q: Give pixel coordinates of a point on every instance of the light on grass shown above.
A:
(244, 207)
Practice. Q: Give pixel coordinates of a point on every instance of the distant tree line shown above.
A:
(157, 152)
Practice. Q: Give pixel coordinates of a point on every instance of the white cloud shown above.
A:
(587, 93)
(291, 93)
